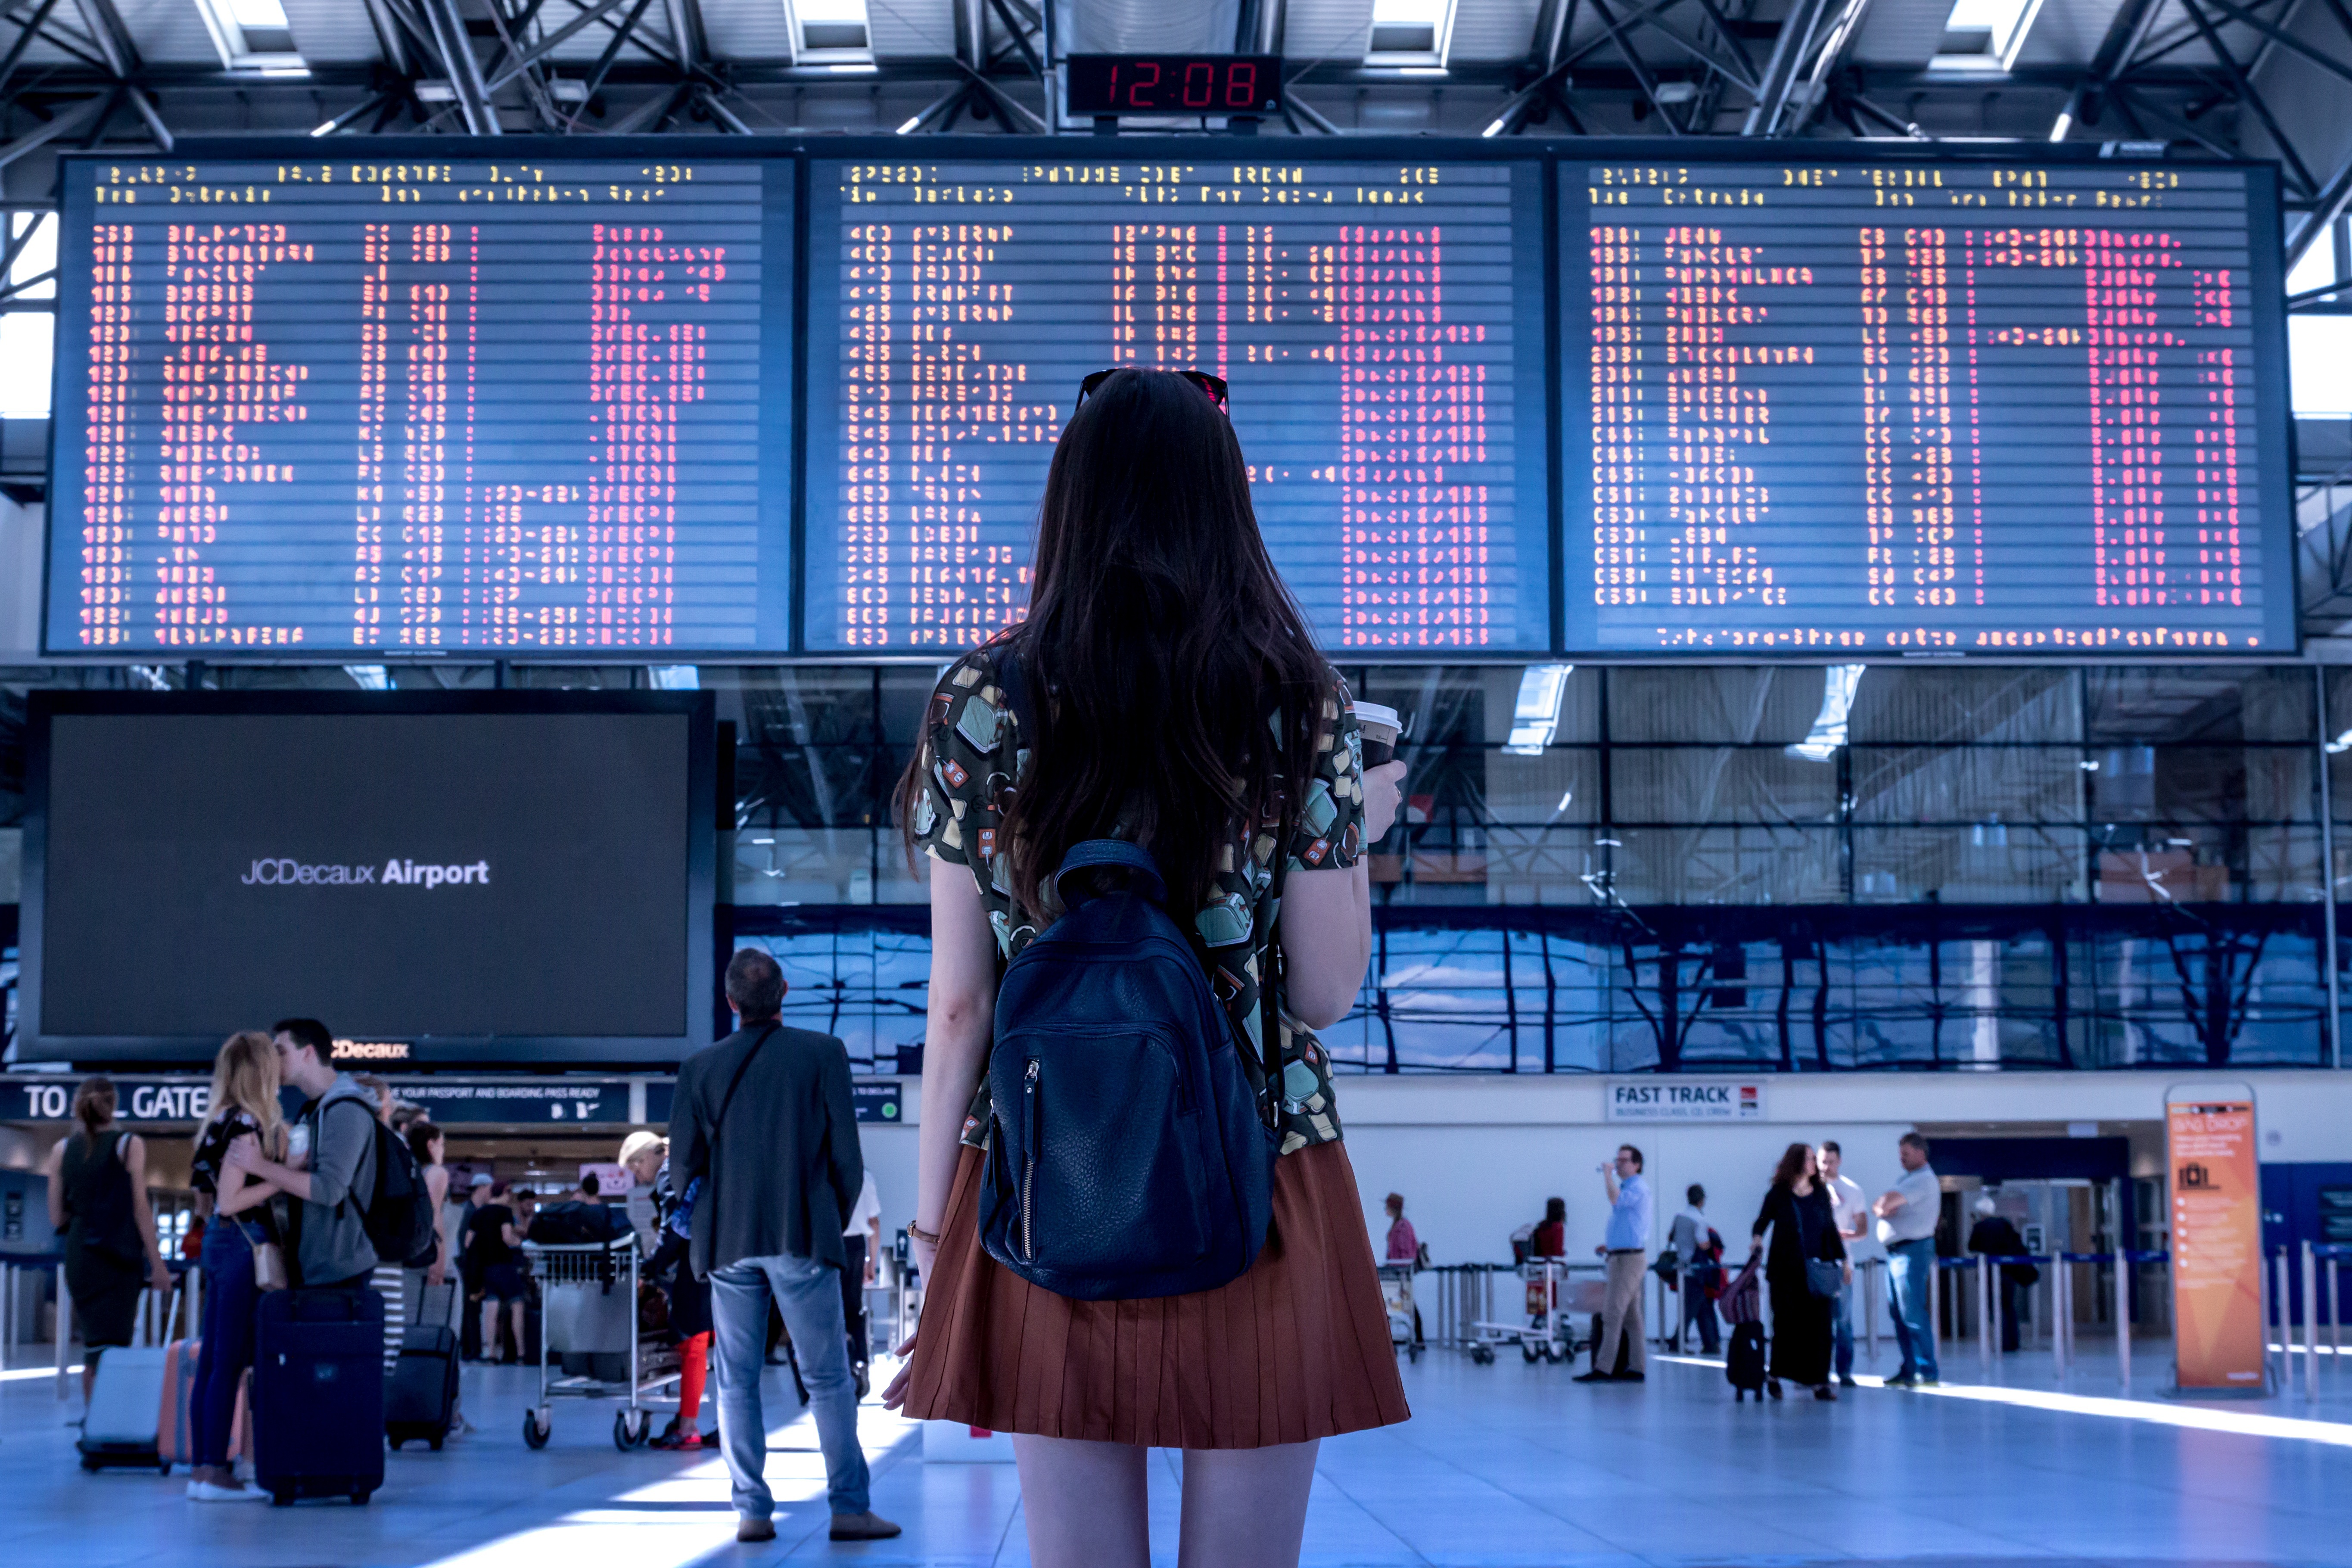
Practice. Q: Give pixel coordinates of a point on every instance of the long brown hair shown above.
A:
(1159, 639)
(93, 1104)
(1792, 1165)
(245, 1078)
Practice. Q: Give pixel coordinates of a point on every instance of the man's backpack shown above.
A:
(398, 1215)
(1129, 1158)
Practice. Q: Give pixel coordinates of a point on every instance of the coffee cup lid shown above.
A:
(1375, 713)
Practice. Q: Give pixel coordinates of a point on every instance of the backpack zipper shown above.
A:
(1029, 1161)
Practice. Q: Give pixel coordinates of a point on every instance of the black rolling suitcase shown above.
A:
(420, 1398)
(1743, 1363)
(318, 1394)
(1742, 1305)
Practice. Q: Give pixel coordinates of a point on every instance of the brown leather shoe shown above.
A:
(862, 1527)
(755, 1530)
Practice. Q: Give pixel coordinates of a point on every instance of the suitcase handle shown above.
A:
(324, 1306)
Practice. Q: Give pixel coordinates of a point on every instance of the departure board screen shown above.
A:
(503, 403)
(1380, 326)
(1923, 408)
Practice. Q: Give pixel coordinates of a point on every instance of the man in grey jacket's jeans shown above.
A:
(330, 1170)
(766, 1119)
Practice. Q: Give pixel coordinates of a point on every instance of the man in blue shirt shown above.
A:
(1626, 1249)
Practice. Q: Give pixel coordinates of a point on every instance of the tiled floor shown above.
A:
(1503, 1464)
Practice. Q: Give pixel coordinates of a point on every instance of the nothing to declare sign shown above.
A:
(1671, 1099)
(2217, 1242)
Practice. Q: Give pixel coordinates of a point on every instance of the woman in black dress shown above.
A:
(98, 1198)
(1804, 1230)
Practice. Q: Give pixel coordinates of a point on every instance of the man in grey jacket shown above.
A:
(330, 1168)
(766, 1119)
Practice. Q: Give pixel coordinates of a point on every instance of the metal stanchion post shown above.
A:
(2278, 1309)
(65, 1324)
(2123, 1319)
(2062, 1300)
(2310, 1323)
(2335, 1314)
(1984, 1315)
(1870, 1288)
(1936, 1307)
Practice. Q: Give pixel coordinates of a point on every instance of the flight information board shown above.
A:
(1939, 407)
(1380, 326)
(500, 403)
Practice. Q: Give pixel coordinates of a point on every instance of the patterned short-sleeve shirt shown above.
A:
(972, 758)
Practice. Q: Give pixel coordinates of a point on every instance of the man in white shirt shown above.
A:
(1851, 1213)
(1906, 1228)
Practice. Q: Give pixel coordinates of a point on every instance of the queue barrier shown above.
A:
(2056, 1317)
(2321, 1261)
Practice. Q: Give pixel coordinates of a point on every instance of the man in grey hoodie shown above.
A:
(330, 1170)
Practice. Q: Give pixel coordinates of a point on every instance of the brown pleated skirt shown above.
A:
(1296, 1349)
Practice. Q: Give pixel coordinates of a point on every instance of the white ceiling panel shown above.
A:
(1494, 29)
(1149, 26)
(2067, 32)
(1325, 30)
(911, 29)
(1901, 33)
(169, 32)
(748, 29)
(330, 32)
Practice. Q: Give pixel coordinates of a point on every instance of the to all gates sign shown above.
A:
(1671, 1099)
(136, 1099)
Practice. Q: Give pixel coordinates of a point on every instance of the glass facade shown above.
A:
(1696, 867)
(2094, 866)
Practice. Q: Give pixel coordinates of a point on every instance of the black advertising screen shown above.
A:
(1379, 323)
(496, 402)
(432, 875)
(1951, 407)
(1171, 84)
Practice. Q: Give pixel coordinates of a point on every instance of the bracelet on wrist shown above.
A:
(928, 1237)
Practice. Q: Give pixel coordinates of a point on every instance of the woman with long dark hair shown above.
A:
(98, 1198)
(1173, 697)
(1805, 1244)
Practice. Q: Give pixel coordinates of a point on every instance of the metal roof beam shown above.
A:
(2250, 99)
(457, 62)
(514, 66)
(27, 29)
(69, 123)
(2277, 35)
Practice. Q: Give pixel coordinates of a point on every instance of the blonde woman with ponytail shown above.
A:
(98, 1198)
(244, 1106)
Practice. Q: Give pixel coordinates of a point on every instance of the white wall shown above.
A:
(1475, 1157)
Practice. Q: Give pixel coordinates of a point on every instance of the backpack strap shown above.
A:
(711, 1177)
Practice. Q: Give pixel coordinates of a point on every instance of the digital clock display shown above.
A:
(1174, 84)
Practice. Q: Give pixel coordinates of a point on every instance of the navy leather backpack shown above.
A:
(1129, 1158)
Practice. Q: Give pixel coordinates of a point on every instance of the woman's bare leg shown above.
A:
(1086, 1503)
(1245, 1508)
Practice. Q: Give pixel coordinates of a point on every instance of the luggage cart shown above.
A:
(605, 1268)
(1396, 1294)
(1549, 1333)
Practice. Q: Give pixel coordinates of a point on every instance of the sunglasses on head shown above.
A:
(1214, 385)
